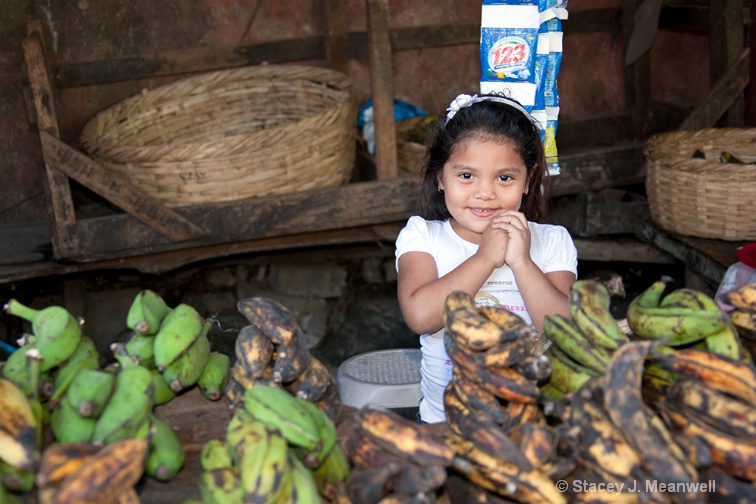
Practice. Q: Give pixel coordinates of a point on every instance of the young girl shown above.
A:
(480, 230)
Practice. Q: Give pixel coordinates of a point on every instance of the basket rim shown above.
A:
(340, 86)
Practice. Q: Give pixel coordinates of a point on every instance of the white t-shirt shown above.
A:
(551, 249)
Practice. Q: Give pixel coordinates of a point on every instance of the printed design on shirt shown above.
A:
(488, 299)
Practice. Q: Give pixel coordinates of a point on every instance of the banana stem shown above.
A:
(14, 307)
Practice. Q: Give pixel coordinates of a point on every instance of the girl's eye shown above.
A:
(505, 178)
(465, 176)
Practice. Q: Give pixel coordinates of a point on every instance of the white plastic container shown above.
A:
(386, 378)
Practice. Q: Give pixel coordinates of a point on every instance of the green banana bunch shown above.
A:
(327, 429)
(221, 486)
(18, 427)
(686, 318)
(567, 375)
(130, 404)
(566, 335)
(141, 346)
(726, 342)
(68, 426)
(163, 391)
(214, 376)
(186, 370)
(179, 329)
(16, 480)
(332, 472)
(90, 391)
(589, 307)
(165, 455)
(85, 356)
(280, 410)
(304, 488)
(146, 312)
(261, 454)
(57, 332)
(14, 368)
(215, 455)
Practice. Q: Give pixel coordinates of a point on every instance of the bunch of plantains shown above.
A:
(278, 448)
(272, 350)
(90, 402)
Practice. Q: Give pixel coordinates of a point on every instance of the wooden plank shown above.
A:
(352, 205)
(118, 190)
(382, 88)
(335, 40)
(60, 208)
(599, 168)
(721, 96)
(170, 260)
(709, 259)
(620, 249)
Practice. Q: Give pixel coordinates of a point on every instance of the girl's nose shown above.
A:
(484, 192)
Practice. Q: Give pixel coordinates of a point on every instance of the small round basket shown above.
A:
(703, 183)
(231, 134)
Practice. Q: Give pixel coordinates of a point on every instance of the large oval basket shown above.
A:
(231, 134)
(695, 189)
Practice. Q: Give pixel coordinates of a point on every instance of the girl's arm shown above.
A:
(543, 293)
(422, 294)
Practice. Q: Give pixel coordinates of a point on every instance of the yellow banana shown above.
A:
(502, 477)
(643, 429)
(536, 441)
(62, 459)
(312, 383)
(737, 456)
(743, 297)
(405, 437)
(18, 427)
(254, 351)
(291, 358)
(717, 371)
(112, 471)
(476, 397)
(715, 408)
(504, 382)
(469, 328)
(275, 320)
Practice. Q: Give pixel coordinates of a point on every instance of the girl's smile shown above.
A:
(482, 178)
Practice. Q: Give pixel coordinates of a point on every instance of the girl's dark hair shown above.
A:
(485, 119)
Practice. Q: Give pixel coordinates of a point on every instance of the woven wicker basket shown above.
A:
(703, 196)
(231, 134)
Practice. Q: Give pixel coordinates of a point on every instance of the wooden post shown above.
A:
(726, 44)
(382, 88)
(637, 78)
(335, 42)
(60, 208)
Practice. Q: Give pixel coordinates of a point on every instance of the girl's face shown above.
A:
(482, 178)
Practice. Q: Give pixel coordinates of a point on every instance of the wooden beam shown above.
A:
(637, 78)
(599, 168)
(721, 96)
(726, 44)
(382, 88)
(117, 189)
(621, 249)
